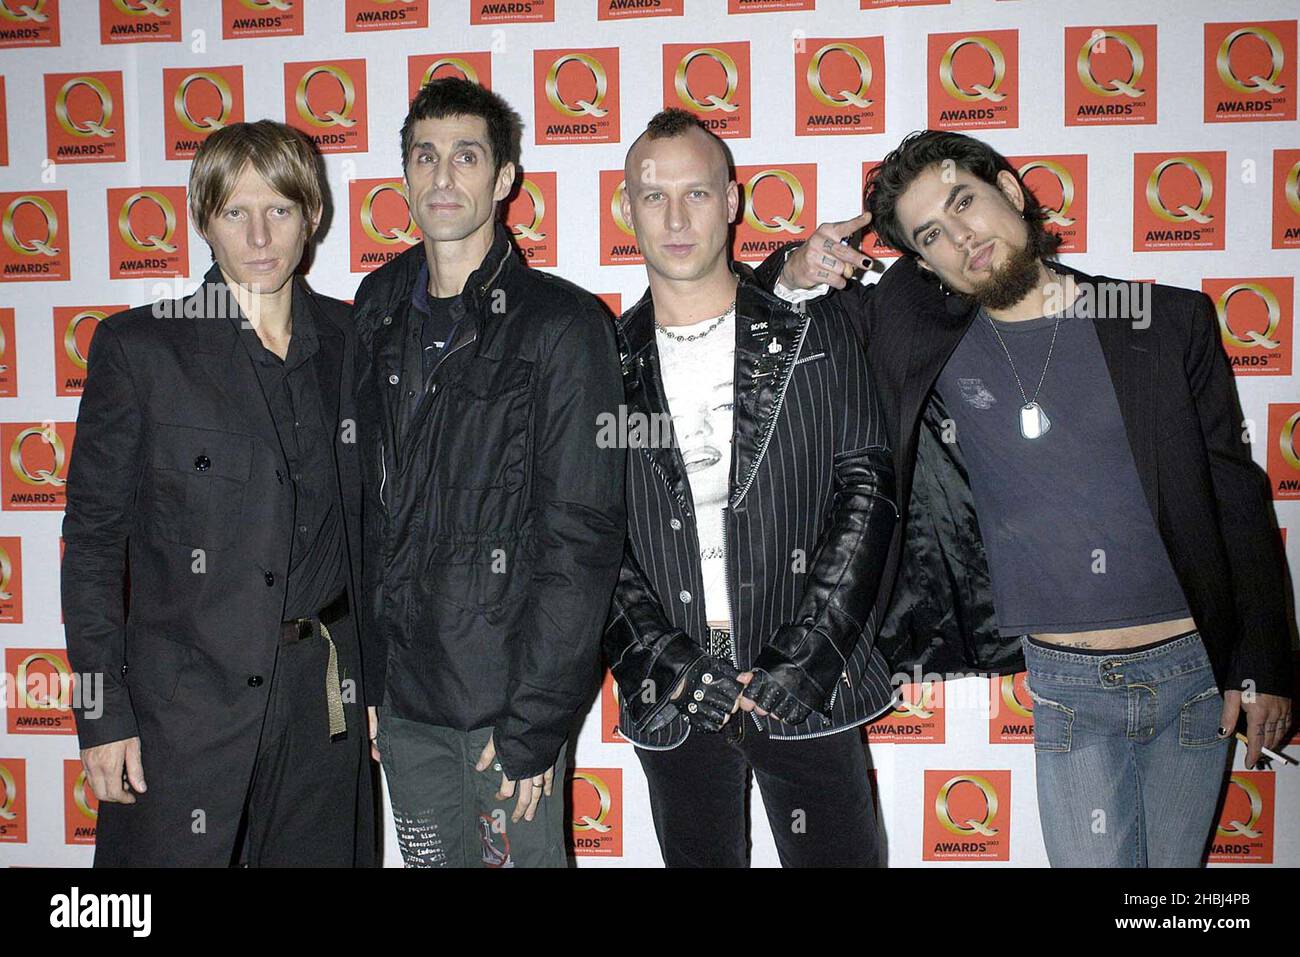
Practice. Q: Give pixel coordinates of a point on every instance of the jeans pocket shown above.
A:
(1053, 723)
(1198, 719)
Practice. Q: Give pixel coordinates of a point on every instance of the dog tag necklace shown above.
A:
(1034, 422)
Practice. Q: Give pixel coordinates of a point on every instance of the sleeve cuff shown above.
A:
(794, 679)
(672, 662)
(116, 721)
(800, 295)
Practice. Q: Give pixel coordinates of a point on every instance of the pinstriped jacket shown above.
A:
(810, 476)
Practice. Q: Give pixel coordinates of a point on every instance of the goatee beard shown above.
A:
(1010, 283)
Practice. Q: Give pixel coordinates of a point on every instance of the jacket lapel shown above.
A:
(935, 333)
(768, 342)
(230, 369)
(643, 389)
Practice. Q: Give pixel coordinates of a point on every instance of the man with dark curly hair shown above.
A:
(1077, 499)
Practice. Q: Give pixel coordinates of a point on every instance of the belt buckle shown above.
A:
(720, 644)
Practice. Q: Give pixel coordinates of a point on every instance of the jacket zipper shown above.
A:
(824, 733)
(726, 579)
(428, 382)
(753, 473)
(776, 412)
(731, 624)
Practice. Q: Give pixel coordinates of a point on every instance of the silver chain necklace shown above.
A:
(731, 309)
(1034, 422)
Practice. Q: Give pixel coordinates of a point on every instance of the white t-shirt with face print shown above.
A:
(699, 383)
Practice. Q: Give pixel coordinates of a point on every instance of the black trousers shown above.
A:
(309, 801)
(816, 792)
(304, 800)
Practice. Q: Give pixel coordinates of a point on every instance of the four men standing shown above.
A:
(413, 508)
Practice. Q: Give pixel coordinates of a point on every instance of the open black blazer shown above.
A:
(1178, 399)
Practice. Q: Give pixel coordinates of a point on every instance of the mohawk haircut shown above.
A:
(673, 121)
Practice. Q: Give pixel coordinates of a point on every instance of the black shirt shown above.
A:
(292, 392)
(433, 316)
(430, 325)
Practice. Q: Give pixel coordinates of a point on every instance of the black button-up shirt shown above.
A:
(292, 392)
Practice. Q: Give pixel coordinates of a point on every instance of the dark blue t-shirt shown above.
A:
(1071, 542)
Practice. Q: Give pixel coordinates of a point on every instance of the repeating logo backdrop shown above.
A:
(1163, 141)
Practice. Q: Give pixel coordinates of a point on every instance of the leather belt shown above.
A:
(299, 629)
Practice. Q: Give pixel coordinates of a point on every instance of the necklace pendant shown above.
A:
(1034, 422)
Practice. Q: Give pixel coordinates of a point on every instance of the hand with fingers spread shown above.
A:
(824, 258)
(766, 695)
(1268, 721)
(114, 770)
(709, 694)
(531, 790)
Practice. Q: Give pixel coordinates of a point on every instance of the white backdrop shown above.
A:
(41, 818)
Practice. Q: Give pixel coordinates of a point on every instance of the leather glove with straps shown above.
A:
(766, 691)
(709, 693)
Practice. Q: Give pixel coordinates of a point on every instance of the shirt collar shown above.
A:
(303, 343)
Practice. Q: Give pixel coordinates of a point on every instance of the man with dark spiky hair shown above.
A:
(740, 633)
(1078, 501)
(494, 519)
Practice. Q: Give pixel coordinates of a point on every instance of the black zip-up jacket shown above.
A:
(494, 521)
(1178, 400)
(807, 525)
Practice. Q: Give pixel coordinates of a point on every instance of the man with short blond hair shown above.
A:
(215, 471)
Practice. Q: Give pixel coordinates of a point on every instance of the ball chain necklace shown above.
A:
(1034, 422)
(731, 310)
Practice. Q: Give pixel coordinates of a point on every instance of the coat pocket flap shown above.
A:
(203, 451)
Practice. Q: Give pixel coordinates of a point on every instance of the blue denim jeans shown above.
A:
(1128, 757)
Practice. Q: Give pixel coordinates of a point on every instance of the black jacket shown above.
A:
(495, 524)
(810, 476)
(1177, 397)
(165, 387)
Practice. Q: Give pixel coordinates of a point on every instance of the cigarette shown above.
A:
(1267, 753)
